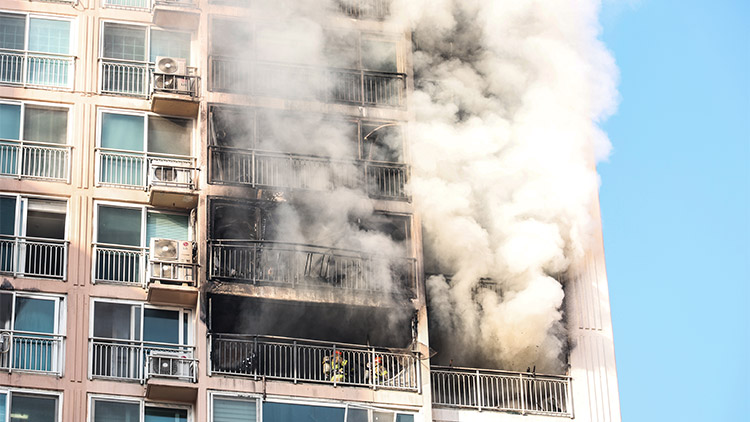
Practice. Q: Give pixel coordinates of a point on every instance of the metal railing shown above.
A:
(300, 360)
(501, 390)
(306, 82)
(119, 264)
(297, 265)
(31, 352)
(34, 257)
(27, 68)
(364, 9)
(170, 272)
(35, 160)
(147, 4)
(135, 169)
(134, 78)
(138, 361)
(294, 171)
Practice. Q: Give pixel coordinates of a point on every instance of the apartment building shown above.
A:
(169, 169)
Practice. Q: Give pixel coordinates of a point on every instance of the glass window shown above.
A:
(122, 131)
(233, 410)
(49, 36)
(405, 418)
(168, 135)
(161, 326)
(284, 412)
(32, 408)
(166, 226)
(379, 55)
(35, 315)
(45, 124)
(45, 218)
(357, 415)
(170, 44)
(162, 414)
(10, 121)
(232, 127)
(114, 320)
(7, 215)
(12, 31)
(125, 43)
(119, 226)
(115, 411)
(382, 416)
(3, 398)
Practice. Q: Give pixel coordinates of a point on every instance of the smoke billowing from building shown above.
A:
(507, 99)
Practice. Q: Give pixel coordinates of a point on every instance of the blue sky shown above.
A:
(676, 207)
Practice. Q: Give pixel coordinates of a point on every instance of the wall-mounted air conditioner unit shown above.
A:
(170, 250)
(165, 172)
(171, 75)
(170, 364)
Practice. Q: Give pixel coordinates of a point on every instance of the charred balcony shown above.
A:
(249, 244)
(284, 341)
(261, 149)
(358, 9)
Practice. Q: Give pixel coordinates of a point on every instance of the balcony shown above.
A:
(35, 160)
(31, 69)
(33, 257)
(31, 352)
(518, 392)
(364, 9)
(358, 87)
(307, 266)
(135, 169)
(170, 93)
(257, 168)
(119, 264)
(132, 360)
(172, 283)
(298, 360)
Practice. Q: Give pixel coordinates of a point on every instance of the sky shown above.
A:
(675, 207)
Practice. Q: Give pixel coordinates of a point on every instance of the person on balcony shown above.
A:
(335, 367)
(378, 371)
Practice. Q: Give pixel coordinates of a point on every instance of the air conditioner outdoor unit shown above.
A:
(170, 364)
(166, 172)
(169, 250)
(171, 75)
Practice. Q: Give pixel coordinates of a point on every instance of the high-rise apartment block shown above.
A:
(163, 248)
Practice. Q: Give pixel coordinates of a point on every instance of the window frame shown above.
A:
(73, 42)
(189, 342)
(60, 314)
(21, 215)
(146, 115)
(9, 391)
(144, 220)
(59, 106)
(147, 51)
(92, 397)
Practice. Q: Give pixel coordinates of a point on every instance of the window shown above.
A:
(32, 236)
(135, 410)
(28, 405)
(128, 51)
(129, 338)
(36, 322)
(33, 140)
(123, 234)
(130, 142)
(48, 42)
(232, 409)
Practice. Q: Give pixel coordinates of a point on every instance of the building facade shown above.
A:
(153, 154)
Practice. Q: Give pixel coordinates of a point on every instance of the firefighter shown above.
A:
(378, 371)
(335, 367)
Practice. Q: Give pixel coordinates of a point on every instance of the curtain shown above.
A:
(43, 124)
(166, 226)
(228, 410)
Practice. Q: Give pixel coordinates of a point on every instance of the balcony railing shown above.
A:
(34, 69)
(31, 352)
(133, 169)
(119, 264)
(296, 265)
(170, 272)
(133, 360)
(364, 9)
(147, 4)
(299, 360)
(361, 87)
(521, 392)
(293, 171)
(35, 160)
(133, 78)
(34, 257)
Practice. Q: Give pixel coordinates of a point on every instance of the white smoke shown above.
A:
(508, 97)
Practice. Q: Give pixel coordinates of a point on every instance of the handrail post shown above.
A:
(143, 371)
(372, 368)
(210, 355)
(10, 351)
(333, 370)
(295, 360)
(19, 159)
(65, 261)
(253, 159)
(477, 393)
(522, 393)
(418, 363)
(256, 364)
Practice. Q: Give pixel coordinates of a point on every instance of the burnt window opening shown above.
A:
(382, 142)
(396, 227)
(242, 221)
(231, 127)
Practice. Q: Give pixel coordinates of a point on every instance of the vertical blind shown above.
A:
(166, 226)
(125, 43)
(49, 36)
(228, 410)
(12, 29)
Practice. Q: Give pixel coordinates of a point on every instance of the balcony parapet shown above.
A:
(36, 69)
(148, 5)
(136, 169)
(487, 390)
(139, 79)
(298, 265)
(34, 257)
(35, 160)
(347, 86)
(301, 360)
(256, 168)
(132, 360)
(32, 352)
